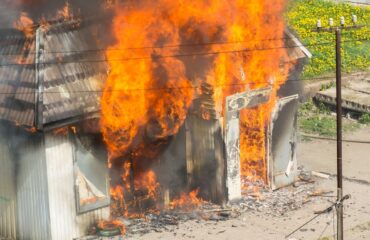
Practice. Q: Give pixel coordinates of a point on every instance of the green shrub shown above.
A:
(365, 118)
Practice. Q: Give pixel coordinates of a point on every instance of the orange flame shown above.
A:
(104, 224)
(165, 48)
(186, 201)
(25, 24)
(66, 12)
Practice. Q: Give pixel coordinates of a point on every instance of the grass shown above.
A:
(317, 119)
(365, 118)
(302, 16)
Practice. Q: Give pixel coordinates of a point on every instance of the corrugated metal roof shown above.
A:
(71, 85)
(17, 97)
(72, 79)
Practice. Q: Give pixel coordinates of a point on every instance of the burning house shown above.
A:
(91, 131)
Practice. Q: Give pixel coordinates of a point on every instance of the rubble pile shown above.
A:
(257, 197)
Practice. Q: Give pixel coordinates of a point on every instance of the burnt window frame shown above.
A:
(81, 209)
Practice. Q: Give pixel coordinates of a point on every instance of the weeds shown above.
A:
(365, 118)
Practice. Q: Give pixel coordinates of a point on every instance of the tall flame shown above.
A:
(164, 49)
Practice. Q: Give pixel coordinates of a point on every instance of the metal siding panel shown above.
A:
(7, 192)
(33, 215)
(282, 148)
(65, 223)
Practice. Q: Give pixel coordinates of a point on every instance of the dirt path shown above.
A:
(320, 155)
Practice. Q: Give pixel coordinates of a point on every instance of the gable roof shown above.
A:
(67, 85)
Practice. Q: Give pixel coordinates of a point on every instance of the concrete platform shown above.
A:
(355, 96)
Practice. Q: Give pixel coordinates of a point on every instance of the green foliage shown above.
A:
(306, 108)
(324, 109)
(327, 86)
(317, 119)
(302, 16)
(365, 118)
(320, 125)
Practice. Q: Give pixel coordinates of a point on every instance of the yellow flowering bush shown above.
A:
(302, 16)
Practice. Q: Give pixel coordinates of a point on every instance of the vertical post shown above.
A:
(39, 71)
(339, 133)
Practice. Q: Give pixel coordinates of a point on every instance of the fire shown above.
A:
(112, 224)
(163, 51)
(186, 201)
(66, 12)
(25, 24)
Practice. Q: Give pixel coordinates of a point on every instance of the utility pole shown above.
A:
(338, 60)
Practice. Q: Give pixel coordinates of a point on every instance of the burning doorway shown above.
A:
(277, 164)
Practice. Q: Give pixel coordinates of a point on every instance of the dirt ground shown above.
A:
(317, 155)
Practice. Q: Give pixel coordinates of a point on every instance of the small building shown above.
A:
(54, 179)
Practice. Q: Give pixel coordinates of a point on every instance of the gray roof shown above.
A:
(70, 82)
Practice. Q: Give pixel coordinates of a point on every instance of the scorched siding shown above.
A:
(32, 198)
(65, 223)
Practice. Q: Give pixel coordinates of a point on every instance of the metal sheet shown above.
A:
(206, 158)
(282, 140)
(69, 89)
(64, 221)
(7, 191)
(32, 199)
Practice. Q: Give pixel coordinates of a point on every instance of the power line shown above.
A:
(175, 88)
(177, 55)
(155, 47)
(150, 47)
(333, 139)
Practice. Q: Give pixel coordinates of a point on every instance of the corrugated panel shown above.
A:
(7, 192)
(73, 87)
(17, 77)
(66, 85)
(33, 213)
(207, 156)
(64, 222)
(282, 160)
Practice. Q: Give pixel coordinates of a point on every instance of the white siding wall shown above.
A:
(65, 223)
(32, 199)
(7, 192)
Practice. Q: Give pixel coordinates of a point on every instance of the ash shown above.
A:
(170, 220)
(259, 198)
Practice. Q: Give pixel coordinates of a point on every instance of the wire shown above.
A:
(176, 88)
(150, 47)
(333, 139)
(323, 231)
(155, 47)
(176, 56)
(327, 210)
(304, 224)
(296, 80)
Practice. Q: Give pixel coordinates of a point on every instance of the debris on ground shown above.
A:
(257, 197)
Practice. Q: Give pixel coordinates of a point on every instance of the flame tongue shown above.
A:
(163, 49)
